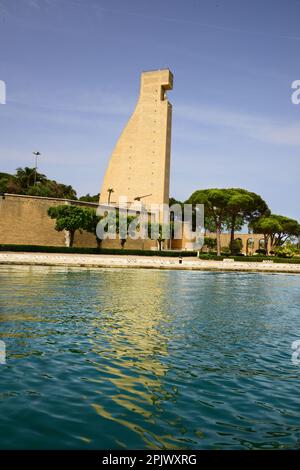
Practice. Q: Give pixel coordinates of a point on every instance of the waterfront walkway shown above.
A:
(126, 261)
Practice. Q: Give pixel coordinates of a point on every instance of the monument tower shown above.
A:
(139, 166)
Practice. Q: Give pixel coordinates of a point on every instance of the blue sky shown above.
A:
(72, 70)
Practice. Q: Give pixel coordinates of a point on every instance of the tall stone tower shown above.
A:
(139, 167)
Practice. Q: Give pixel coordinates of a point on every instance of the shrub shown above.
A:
(94, 251)
(251, 259)
(261, 251)
(210, 243)
(285, 251)
(237, 246)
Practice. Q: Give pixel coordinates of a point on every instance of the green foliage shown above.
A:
(26, 177)
(285, 251)
(89, 198)
(211, 243)
(261, 251)
(245, 206)
(173, 201)
(95, 251)
(159, 232)
(70, 218)
(215, 204)
(276, 228)
(23, 183)
(90, 222)
(229, 208)
(4, 182)
(236, 247)
(252, 259)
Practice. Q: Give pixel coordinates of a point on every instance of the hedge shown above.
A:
(94, 251)
(113, 251)
(251, 259)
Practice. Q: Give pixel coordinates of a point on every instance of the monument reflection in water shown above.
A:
(116, 358)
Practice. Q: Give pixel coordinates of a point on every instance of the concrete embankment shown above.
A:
(155, 262)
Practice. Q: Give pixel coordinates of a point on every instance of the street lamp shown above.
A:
(37, 154)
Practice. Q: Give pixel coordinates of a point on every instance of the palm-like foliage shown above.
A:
(26, 177)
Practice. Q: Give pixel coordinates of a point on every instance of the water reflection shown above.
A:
(112, 358)
(136, 327)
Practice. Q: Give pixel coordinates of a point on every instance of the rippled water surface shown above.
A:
(148, 359)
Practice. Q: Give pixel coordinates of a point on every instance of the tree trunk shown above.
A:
(232, 235)
(272, 242)
(266, 244)
(72, 233)
(218, 239)
(99, 241)
(67, 238)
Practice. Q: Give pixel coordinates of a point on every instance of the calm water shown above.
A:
(148, 359)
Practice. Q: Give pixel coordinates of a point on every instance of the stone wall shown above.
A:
(250, 242)
(24, 221)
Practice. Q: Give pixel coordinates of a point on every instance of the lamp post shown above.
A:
(37, 154)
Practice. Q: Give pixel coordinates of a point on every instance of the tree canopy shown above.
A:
(69, 218)
(228, 208)
(215, 207)
(276, 228)
(22, 182)
(89, 198)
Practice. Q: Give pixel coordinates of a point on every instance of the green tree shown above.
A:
(160, 232)
(215, 206)
(26, 177)
(124, 229)
(69, 218)
(89, 198)
(276, 228)
(52, 189)
(173, 201)
(91, 221)
(243, 206)
(236, 246)
(5, 179)
(285, 251)
(23, 183)
(211, 243)
(228, 208)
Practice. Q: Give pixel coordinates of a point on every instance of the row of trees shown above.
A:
(71, 218)
(225, 209)
(277, 229)
(230, 209)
